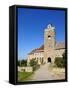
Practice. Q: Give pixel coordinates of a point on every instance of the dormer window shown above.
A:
(49, 37)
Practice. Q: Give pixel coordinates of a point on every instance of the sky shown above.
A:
(31, 25)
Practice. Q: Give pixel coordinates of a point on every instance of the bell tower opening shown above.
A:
(49, 60)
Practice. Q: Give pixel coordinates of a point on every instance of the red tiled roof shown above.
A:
(41, 49)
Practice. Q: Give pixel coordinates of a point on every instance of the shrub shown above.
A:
(59, 61)
(22, 63)
(33, 62)
(36, 67)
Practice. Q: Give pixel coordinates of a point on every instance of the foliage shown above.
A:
(60, 61)
(33, 62)
(36, 67)
(18, 63)
(63, 55)
(22, 63)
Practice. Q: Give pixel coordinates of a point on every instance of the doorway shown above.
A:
(49, 60)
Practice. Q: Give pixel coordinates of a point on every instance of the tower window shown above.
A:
(49, 37)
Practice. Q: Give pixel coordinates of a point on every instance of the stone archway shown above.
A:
(49, 60)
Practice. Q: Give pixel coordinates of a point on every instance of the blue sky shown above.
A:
(31, 25)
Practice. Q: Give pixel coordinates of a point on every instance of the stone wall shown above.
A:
(25, 69)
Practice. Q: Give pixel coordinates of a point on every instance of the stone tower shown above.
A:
(49, 44)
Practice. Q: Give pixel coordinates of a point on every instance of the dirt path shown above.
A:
(44, 74)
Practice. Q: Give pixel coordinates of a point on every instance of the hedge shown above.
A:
(60, 62)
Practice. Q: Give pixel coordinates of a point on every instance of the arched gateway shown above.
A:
(49, 60)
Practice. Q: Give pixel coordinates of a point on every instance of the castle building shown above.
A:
(50, 50)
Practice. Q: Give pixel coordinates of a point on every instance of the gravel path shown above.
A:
(44, 74)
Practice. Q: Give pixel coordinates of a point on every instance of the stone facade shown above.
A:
(49, 43)
(51, 49)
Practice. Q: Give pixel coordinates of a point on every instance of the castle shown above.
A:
(51, 49)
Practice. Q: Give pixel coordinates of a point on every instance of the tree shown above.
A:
(63, 59)
(33, 62)
(63, 55)
(18, 63)
(60, 61)
(22, 62)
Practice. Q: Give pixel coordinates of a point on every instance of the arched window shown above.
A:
(49, 37)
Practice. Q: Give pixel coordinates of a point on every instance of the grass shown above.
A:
(24, 76)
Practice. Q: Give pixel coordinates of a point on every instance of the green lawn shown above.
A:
(24, 76)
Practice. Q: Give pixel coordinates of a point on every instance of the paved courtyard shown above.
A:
(45, 74)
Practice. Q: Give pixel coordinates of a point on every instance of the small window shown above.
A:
(49, 37)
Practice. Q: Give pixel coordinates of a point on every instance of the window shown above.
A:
(49, 37)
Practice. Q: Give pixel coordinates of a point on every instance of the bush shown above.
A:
(36, 67)
(33, 62)
(22, 63)
(59, 61)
